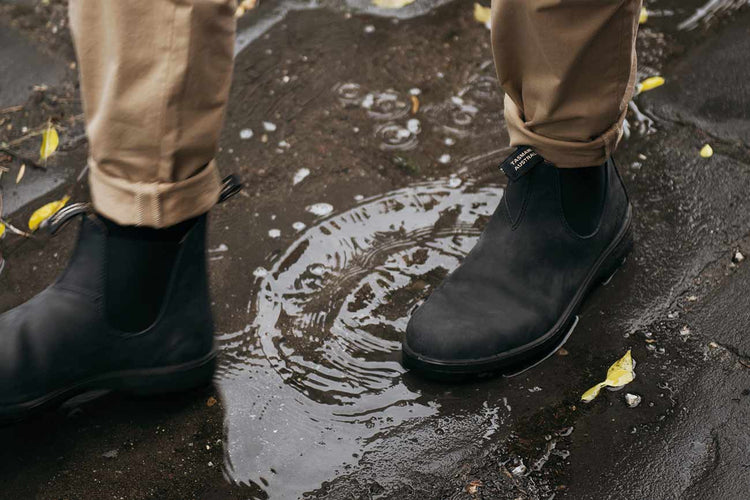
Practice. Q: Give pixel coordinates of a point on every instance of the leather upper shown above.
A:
(518, 280)
(61, 336)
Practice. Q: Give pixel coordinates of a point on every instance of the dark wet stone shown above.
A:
(710, 88)
(23, 66)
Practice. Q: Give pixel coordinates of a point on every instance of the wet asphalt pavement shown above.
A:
(369, 147)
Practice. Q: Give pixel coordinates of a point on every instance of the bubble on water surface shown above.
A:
(320, 209)
(387, 105)
(349, 93)
(394, 137)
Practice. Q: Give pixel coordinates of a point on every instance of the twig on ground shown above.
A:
(19, 156)
(11, 109)
(14, 229)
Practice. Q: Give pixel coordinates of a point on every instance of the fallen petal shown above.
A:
(619, 374)
(644, 16)
(650, 84)
(482, 14)
(50, 141)
(45, 212)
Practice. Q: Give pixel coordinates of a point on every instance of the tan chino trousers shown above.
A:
(155, 78)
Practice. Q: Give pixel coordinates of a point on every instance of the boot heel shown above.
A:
(617, 258)
(171, 379)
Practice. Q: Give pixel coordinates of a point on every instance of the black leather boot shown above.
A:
(514, 299)
(99, 326)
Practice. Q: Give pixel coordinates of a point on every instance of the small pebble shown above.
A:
(274, 233)
(738, 257)
(632, 400)
(246, 134)
(300, 175)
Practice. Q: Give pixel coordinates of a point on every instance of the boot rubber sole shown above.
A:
(142, 382)
(518, 360)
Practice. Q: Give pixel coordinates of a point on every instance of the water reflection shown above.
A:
(315, 375)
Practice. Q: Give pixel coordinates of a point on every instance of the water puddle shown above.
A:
(464, 115)
(260, 23)
(709, 12)
(314, 378)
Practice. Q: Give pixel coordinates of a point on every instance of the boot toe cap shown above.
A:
(456, 333)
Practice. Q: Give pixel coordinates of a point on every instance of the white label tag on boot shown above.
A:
(521, 161)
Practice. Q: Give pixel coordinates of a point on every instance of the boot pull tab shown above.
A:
(520, 162)
(230, 186)
(56, 222)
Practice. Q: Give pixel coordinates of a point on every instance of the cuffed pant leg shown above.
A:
(568, 70)
(155, 78)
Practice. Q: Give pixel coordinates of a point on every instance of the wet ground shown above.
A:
(369, 145)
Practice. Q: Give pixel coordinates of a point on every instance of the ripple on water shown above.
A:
(395, 137)
(315, 375)
(386, 105)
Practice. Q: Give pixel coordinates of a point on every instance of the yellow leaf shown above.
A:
(21, 171)
(650, 84)
(619, 374)
(482, 14)
(644, 16)
(414, 104)
(50, 140)
(707, 151)
(43, 213)
(244, 6)
(2, 229)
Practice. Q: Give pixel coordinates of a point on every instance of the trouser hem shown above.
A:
(153, 204)
(563, 154)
